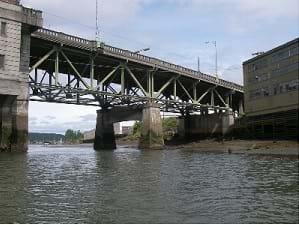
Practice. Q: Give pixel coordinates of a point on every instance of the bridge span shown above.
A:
(61, 68)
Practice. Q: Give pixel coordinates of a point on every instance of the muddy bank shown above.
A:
(242, 147)
(233, 147)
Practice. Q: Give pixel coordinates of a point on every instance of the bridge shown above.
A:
(61, 68)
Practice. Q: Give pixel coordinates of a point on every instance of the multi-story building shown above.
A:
(271, 83)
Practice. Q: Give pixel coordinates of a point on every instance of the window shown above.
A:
(286, 69)
(3, 28)
(261, 64)
(292, 85)
(294, 51)
(1, 61)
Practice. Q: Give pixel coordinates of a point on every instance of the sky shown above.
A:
(174, 30)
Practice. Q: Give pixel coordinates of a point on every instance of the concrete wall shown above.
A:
(14, 93)
(205, 125)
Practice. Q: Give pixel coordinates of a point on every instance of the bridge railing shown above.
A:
(92, 45)
(68, 39)
(171, 66)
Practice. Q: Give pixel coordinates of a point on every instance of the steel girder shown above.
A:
(56, 76)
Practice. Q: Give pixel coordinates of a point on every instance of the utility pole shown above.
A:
(216, 57)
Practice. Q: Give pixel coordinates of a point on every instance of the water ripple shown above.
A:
(79, 185)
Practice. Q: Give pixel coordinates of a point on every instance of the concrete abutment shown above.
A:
(19, 22)
(205, 125)
(13, 124)
(151, 132)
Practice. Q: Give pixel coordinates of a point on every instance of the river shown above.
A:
(80, 185)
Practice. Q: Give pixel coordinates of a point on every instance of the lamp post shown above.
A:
(216, 59)
(141, 50)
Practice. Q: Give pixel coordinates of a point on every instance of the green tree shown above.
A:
(169, 127)
(73, 137)
(137, 128)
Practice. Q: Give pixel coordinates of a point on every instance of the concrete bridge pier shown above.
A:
(228, 121)
(151, 130)
(13, 124)
(104, 134)
(205, 125)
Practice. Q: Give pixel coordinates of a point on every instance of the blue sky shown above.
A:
(175, 30)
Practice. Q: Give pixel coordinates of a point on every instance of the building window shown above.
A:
(294, 51)
(292, 85)
(3, 29)
(1, 61)
(286, 69)
(261, 64)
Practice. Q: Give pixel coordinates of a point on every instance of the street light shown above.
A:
(141, 50)
(216, 63)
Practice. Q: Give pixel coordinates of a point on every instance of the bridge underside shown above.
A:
(112, 78)
(65, 74)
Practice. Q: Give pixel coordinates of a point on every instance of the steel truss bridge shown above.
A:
(72, 70)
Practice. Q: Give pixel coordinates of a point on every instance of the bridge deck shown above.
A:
(92, 46)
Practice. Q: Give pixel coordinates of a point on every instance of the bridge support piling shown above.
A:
(104, 134)
(227, 121)
(13, 124)
(151, 131)
(205, 125)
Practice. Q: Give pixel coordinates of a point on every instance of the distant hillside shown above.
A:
(45, 137)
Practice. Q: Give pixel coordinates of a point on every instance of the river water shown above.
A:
(79, 185)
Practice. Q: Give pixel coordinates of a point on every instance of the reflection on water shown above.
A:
(79, 185)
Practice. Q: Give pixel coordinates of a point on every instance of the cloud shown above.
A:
(175, 30)
(88, 118)
(50, 117)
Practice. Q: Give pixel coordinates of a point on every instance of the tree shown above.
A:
(73, 137)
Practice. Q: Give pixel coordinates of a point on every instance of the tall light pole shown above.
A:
(142, 50)
(216, 57)
(198, 64)
(97, 22)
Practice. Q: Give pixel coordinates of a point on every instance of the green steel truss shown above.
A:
(70, 70)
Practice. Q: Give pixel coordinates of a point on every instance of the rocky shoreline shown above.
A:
(233, 147)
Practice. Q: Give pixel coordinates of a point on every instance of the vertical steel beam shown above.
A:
(174, 89)
(122, 77)
(91, 72)
(78, 95)
(149, 83)
(194, 92)
(212, 98)
(56, 68)
(227, 98)
(50, 84)
(35, 75)
(152, 84)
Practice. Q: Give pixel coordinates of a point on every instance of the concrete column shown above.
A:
(5, 122)
(19, 141)
(151, 131)
(227, 121)
(104, 134)
(13, 124)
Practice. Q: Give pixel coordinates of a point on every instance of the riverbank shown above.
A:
(232, 147)
(242, 147)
